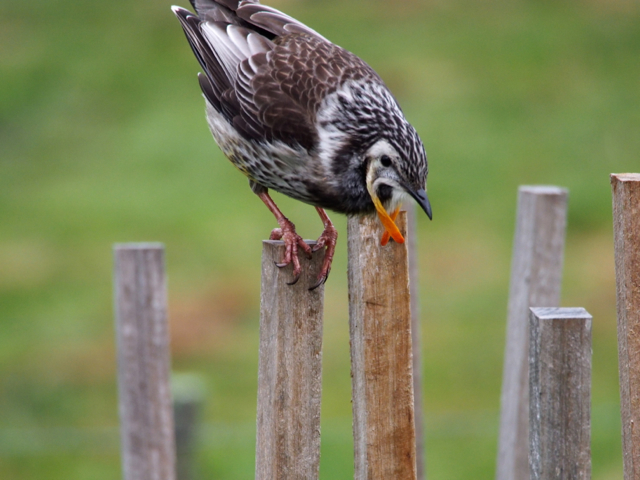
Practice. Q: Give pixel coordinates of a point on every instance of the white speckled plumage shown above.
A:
(302, 116)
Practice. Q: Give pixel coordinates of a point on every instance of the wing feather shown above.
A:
(274, 21)
(266, 72)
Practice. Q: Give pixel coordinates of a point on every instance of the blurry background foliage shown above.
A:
(103, 140)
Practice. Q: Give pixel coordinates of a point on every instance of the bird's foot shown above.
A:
(292, 241)
(328, 239)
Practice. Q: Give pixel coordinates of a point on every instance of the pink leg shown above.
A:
(286, 233)
(328, 239)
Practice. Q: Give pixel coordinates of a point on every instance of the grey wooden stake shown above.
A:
(290, 369)
(536, 275)
(560, 389)
(416, 343)
(188, 400)
(148, 450)
(626, 228)
(381, 359)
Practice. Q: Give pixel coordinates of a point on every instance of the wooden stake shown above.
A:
(290, 369)
(626, 228)
(381, 360)
(146, 417)
(560, 388)
(416, 339)
(536, 275)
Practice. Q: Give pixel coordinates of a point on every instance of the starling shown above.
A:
(304, 117)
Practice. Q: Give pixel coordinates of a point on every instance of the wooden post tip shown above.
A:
(560, 312)
(543, 189)
(625, 177)
(277, 243)
(138, 246)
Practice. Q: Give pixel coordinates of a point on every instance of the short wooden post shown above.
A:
(290, 369)
(626, 228)
(536, 274)
(560, 394)
(142, 331)
(381, 360)
(188, 400)
(416, 340)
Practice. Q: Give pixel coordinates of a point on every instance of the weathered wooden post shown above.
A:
(536, 275)
(381, 357)
(416, 341)
(290, 369)
(560, 393)
(188, 400)
(626, 228)
(148, 450)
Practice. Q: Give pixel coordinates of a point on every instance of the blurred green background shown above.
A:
(103, 140)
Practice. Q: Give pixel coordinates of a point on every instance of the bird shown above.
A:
(297, 114)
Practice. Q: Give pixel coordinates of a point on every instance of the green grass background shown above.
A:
(103, 140)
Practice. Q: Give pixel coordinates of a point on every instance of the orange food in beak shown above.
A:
(386, 235)
(389, 224)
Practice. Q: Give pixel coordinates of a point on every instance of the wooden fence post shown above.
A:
(148, 450)
(560, 393)
(416, 340)
(188, 400)
(536, 274)
(381, 360)
(626, 228)
(290, 369)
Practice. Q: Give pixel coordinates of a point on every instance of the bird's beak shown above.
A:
(420, 196)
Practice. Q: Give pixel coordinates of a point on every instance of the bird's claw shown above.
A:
(292, 241)
(328, 239)
(321, 280)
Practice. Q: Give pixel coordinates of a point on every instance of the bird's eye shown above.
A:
(385, 161)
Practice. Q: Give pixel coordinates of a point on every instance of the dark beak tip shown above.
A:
(423, 201)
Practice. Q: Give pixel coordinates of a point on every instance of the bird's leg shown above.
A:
(386, 235)
(328, 239)
(286, 233)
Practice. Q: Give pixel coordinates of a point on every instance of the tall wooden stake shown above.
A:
(148, 450)
(560, 393)
(416, 340)
(381, 359)
(536, 274)
(290, 369)
(626, 228)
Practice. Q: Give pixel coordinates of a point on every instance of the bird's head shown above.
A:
(394, 173)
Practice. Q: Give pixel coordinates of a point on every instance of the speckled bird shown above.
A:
(302, 116)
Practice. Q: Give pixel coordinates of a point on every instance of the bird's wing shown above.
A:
(283, 90)
(249, 13)
(264, 71)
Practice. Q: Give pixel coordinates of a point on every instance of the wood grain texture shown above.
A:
(626, 228)
(416, 339)
(290, 369)
(381, 358)
(536, 276)
(560, 393)
(146, 417)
